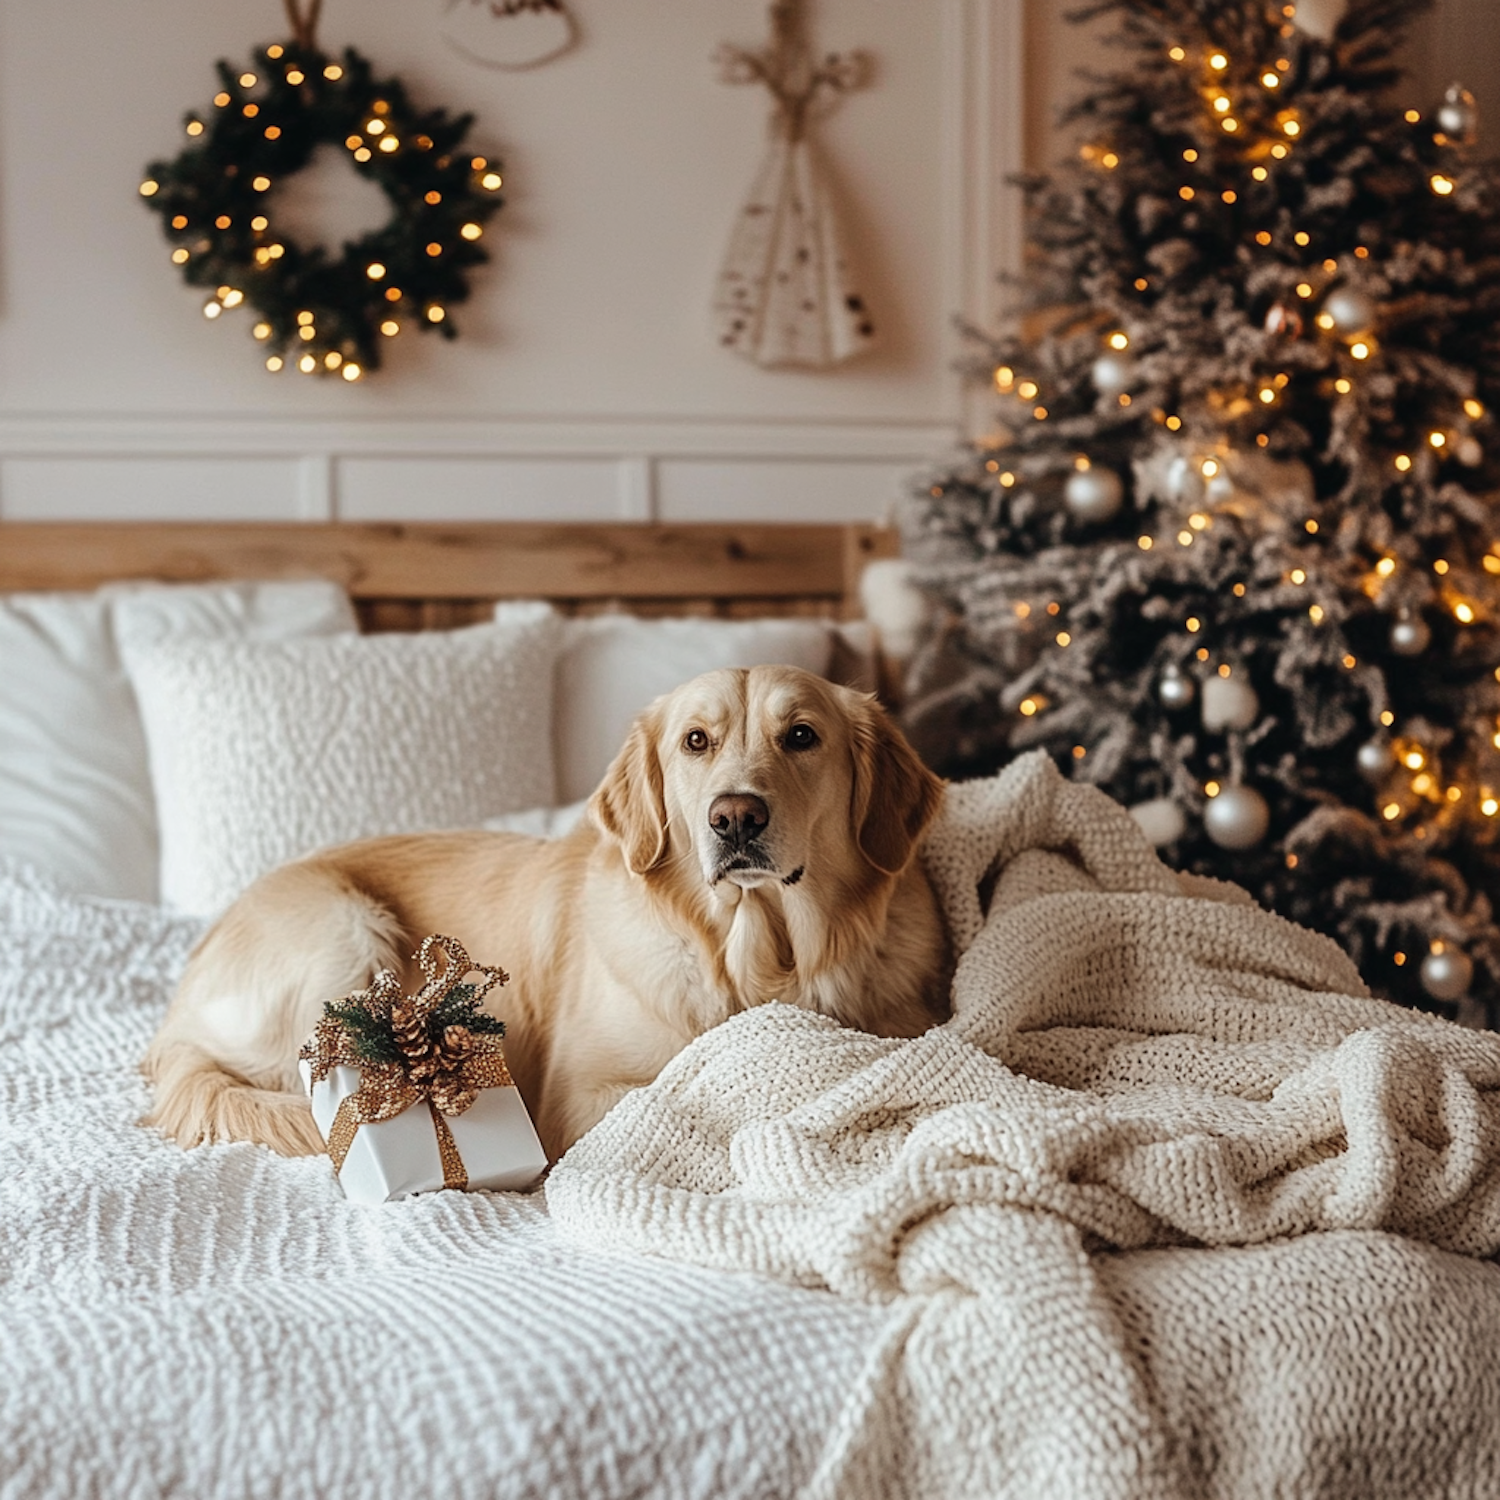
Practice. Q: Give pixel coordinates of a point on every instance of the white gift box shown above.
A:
(395, 1158)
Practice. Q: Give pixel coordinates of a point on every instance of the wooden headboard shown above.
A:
(420, 576)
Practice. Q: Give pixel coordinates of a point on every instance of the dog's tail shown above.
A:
(198, 1100)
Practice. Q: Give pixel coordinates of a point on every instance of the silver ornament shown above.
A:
(1458, 115)
(1113, 373)
(1237, 818)
(1351, 310)
(1319, 18)
(1093, 494)
(1447, 975)
(1161, 819)
(1411, 635)
(1185, 480)
(1470, 452)
(1229, 703)
(1375, 760)
(1175, 690)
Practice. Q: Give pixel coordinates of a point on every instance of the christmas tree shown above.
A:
(1231, 553)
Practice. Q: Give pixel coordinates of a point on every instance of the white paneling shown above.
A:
(778, 489)
(150, 489)
(467, 489)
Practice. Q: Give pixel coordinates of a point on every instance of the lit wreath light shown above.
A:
(315, 313)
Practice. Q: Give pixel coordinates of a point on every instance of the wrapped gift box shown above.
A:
(390, 1159)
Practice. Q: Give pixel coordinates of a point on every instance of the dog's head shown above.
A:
(766, 775)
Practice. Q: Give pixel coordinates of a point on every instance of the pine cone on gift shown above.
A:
(449, 1093)
(409, 1027)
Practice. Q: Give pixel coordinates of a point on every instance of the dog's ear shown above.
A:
(630, 804)
(895, 795)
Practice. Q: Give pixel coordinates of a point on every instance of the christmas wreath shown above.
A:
(324, 314)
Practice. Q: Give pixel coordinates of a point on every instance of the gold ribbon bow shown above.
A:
(403, 1059)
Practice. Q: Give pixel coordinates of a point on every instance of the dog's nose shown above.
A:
(738, 817)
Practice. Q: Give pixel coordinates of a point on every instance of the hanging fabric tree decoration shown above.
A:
(322, 313)
(535, 32)
(785, 295)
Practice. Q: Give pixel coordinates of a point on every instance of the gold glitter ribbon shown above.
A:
(446, 1074)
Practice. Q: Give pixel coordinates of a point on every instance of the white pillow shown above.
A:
(612, 666)
(263, 753)
(75, 787)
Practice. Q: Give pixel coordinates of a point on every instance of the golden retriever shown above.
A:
(754, 840)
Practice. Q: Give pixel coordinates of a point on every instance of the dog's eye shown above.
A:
(800, 737)
(695, 742)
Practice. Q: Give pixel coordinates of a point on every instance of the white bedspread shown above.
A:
(1135, 1061)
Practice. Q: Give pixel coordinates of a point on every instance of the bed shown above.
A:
(997, 1261)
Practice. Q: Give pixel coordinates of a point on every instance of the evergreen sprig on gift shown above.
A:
(373, 1032)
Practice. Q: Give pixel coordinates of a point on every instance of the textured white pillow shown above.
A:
(75, 787)
(612, 666)
(263, 753)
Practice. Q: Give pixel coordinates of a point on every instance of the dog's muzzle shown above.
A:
(738, 821)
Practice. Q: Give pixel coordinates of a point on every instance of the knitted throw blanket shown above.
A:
(1136, 1059)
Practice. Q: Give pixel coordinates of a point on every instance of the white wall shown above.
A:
(587, 382)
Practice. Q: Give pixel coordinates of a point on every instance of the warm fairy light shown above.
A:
(261, 183)
(294, 76)
(1221, 104)
(478, 163)
(1386, 566)
(1489, 807)
(1350, 663)
(251, 110)
(389, 143)
(195, 127)
(1343, 386)
(1027, 390)
(247, 80)
(1297, 576)
(354, 142)
(149, 188)
(1230, 124)
(1007, 479)
(1414, 760)
(435, 314)
(490, 181)
(1005, 378)
(1211, 788)
(351, 371)
(1144, 543)
(1422, 784)
(1391, 811)
(1184, 538)
(1123, 398)
(1291, 127)
(1387, 717)
(1028, 707)
(1413, 116)
(375, 127)
(1040, 413)
(1440, 567)
(1082, 464)
(1280, 151)
(1324, 320)
(303, 319)
(1079, 751)
(1262, 236)
(333, 359)
(1310, 526)
(308, 363)
(1491, 563)
(1063, 638)
(1023, 610)
(1302, 237)
(1176, 54)
(1173, 423)
(1198, 521)
(1201, 653)
(434, 248)
(274, 363)
(1054, 608)
(1455, 794)
(1291, 861)
(333, 72)
(1359, 350)
(212, 309)
(1304, 289)
(1259, 173)
(223, 222)
(471, 231)
(1119, 341)
(1437, 439)
(1190, 155)
(1230, 196)
(1239, 591)
(1141, 283)
(1271, 80)
(1218, 62)
(308, 334)
(232, 298)
(1262, 440)
(221, 100)
(1186, 193)
(1267, 394)
(1315, 613)
(1403, 462)
(1224, 669)
(179, 257)
(363, 154)
(1109, 160)
(375, 271)
(1194, 625)
(1210, 468)
(1441, 185)
(262, 330)
(1473, 409)
(1463, 613)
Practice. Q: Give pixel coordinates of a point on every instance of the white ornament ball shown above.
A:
(1458, 114)
(1319, 18)
(1094, 494)
(1411, 635)
(1351, 310)
(1229, 703)
(1470, 452)
(1375, 760)
(1113, 373)
(1447, 975)
(1176, 689)
(1237, 818)
(1161, 820)
(1185, 480)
